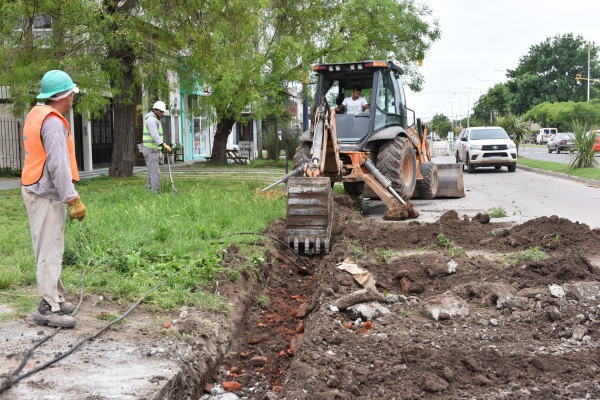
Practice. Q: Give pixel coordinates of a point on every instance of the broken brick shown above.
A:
(232, 386)
(258, 361)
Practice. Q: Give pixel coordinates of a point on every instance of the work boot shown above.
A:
(45, 316)
(67, 307)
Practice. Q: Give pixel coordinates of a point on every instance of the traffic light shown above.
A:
(577, 78)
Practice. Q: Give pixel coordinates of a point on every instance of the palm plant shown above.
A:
(582, 155)
(515, 125)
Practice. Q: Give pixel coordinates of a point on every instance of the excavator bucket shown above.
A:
(309, 214)
(450, 180)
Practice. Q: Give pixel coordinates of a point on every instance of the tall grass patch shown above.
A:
(136, 239)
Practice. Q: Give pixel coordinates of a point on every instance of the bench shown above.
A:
(178, 154)
(234, 155)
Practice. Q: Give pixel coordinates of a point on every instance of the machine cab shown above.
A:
(381, 83)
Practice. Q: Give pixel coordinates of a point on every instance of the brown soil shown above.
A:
(527, 344)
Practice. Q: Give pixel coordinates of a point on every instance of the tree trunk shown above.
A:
(220, 144)
(123, 154)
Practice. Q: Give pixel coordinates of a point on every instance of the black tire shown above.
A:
(470, 167)
(397, 161)
(427, 187)
(549, 149)
(457, 158)
(302, 155)
(512, 167)
(354, 188)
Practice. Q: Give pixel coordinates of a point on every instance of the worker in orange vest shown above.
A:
(48, 177)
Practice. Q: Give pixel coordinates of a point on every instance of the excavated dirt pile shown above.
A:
(464, 308)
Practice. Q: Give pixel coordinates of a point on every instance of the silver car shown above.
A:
(560, 142)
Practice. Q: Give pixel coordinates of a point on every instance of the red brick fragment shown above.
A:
(300, 327)
(254, 340)
(405, 284)
(208, 386)
(232, 386)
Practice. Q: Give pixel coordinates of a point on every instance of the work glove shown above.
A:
(76, 209)
(166, 147)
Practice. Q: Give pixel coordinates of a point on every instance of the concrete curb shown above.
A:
(560, 175)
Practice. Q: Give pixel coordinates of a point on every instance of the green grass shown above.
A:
(533, 254)
(496, 212)
(586, 173)
(137, 239)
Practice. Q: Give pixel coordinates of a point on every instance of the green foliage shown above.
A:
(583, 146)
(497, 212)
(547, 73)
(533, 254)
(384, 254)
(453, 248)
(271, 142)
(562, 114)
(6, 172)
(515, 126)
(137, 239)
(262, 299)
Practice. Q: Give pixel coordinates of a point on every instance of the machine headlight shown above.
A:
(474, 147)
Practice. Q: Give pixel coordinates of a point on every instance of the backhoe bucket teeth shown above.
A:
(309, 215)
(450, 180)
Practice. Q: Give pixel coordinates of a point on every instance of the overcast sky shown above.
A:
(480, 39)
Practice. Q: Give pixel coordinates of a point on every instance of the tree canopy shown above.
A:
(547, 73)
(243, 53)
(563, 114)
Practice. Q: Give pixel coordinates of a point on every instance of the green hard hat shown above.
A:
(55, 81)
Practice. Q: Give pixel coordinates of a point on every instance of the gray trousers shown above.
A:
(151, 156)
(47, 226)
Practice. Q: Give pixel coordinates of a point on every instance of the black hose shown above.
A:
(7, 380)
(30, 352)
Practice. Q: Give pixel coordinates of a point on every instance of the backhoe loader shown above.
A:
(375, 146)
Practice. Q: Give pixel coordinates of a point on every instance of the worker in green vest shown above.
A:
(153, 142)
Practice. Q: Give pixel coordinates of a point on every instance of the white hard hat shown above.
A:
(160, 105)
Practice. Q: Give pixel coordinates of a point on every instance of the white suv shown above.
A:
(487, 146)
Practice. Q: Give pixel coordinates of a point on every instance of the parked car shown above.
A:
(486, 147)
(560, 142)
(597, 145)
(436, 138)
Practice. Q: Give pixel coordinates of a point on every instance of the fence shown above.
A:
(10, 144)
(439, 148)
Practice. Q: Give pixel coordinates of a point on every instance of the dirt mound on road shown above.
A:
(466, 309)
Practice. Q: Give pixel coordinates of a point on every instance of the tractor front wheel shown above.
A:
(397, 161)
(427, 187)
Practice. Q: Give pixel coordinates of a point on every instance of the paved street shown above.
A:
(522, 194)
(543, 155)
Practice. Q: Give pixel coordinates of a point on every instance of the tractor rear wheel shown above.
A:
(397, 161)
(302, 155)
(427, 187)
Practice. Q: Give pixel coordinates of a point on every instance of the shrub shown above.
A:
(583, 146)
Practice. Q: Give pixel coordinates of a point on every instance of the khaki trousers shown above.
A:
(47, 226)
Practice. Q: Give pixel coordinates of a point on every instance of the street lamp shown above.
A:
(488, 80)
(468, 107)
(459, 105)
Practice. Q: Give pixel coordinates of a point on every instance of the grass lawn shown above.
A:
(133, 239)
(587, 173)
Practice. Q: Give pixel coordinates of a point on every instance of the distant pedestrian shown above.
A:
(48, 175)
(153, 141)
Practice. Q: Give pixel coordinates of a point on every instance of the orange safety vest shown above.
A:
(35, 155)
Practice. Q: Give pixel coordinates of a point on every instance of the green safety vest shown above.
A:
(147, 137)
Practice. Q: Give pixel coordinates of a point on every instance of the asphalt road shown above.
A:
(523, 195)
(543, 155)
